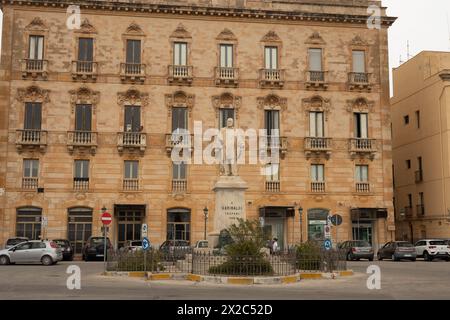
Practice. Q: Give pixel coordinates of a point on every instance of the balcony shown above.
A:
(130, 184)
(132, 72)
(420, 209)
(318, 187)
(179, 185)
(276, 143)
(408, 212)
(82, 140)
(180, 74)
(30, 183)
(227, 76)
(318, 146)
(80, 184)
(273, 186)
(180, 141)
(131, 140)
(84, 70)
(418, 176)
(35, 69)
(316, 80)
(31, 139)
(362, 147)
(272, 78)
(359, 81)
(362, 187)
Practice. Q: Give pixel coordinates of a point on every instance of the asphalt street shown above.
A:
(399, 280)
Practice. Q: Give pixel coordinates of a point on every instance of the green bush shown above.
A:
(309, 256)
(243, 266)
(135, 262)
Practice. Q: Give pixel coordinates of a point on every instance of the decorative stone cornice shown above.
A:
(360, 104)
(226, 35)
(272, 101)
(33, 94)
(134, 29)
(86, 27)
(232, 12)
(37, 24)
(271, 36)
(132, 97)
(315, 38)
(84, 95)
(180, 32)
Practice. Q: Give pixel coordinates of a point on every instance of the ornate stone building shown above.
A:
(86, 112)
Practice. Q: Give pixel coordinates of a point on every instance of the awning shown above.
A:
(368, 213)
(277, 211)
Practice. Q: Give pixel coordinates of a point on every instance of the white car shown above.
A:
(35, 251)
(134, 246)
(430, 249)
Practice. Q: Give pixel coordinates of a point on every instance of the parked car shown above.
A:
(95, 249)
(11, 242)
(430, 249)
(357, 249)
(176, 249)
(66, 248)
(201, 244)
(35, 251)
(397, 250)
(133, 246)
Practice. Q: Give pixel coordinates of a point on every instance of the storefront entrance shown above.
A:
(364, 222)
(363, 231)
(129, 223)
(274, 221)
(28, 223)
(179, 224)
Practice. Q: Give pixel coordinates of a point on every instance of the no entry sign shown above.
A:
(106, 218)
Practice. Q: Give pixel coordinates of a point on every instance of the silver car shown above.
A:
(36, 251)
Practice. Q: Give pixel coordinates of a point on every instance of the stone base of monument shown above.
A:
(213, 240)
(230, 203)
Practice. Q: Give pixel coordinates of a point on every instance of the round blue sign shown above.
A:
(145, 244)
(327, 244)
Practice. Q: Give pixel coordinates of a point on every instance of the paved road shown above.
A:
(399, 280)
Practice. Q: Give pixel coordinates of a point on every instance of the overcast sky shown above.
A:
(423, 22)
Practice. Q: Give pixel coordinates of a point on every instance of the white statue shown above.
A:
(227, 153)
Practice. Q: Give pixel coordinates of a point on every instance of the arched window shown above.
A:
(28, 222)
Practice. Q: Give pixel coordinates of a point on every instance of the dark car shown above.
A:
(11, 242)
(66, 248)
(175, 248)
(397, 250)
(357, 249)
(95, 249)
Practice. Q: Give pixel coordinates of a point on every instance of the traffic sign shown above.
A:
(336, 220)
(144, 230)
(327, 244)
(106, 218)
(327, 231)
(145, 243)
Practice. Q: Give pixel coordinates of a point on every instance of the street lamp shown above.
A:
(300, 214)
(205, 213)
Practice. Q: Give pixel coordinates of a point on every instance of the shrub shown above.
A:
(309, 256)
(135, 261)
(243, 266)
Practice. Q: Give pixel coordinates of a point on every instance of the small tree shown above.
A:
(248, 238)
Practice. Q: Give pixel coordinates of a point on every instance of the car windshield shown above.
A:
(96, 241)
(404, 244)
(437, 243)
(360, 244)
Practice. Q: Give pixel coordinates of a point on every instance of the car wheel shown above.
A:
(86, 258)
(349, 257)
(379, 257)
(4, 260)
(394, 258)
(47, 260)
(426, 256)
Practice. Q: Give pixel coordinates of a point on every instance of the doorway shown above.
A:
(79, 227)
(179, 224)
(363, 230)
(129, 223)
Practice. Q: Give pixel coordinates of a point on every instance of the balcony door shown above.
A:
(361, 125)
(315, 59)
(132, 119)
(180, 53)
(226, 56)
(133, 52)
(316, 126)
(359, 61)
(271, 58)
(33, 116)
(83, 117)
(36, 49)
(86, 49)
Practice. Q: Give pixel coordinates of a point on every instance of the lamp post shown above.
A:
(205, 213)
(300, 214)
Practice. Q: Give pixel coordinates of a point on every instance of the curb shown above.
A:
(148, 276)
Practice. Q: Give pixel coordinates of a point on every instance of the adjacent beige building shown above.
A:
(86, 115)
(421, 146)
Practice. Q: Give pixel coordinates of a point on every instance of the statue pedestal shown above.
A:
(230, 204)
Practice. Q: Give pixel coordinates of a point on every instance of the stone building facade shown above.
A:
(421, 146)
(86, 115)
